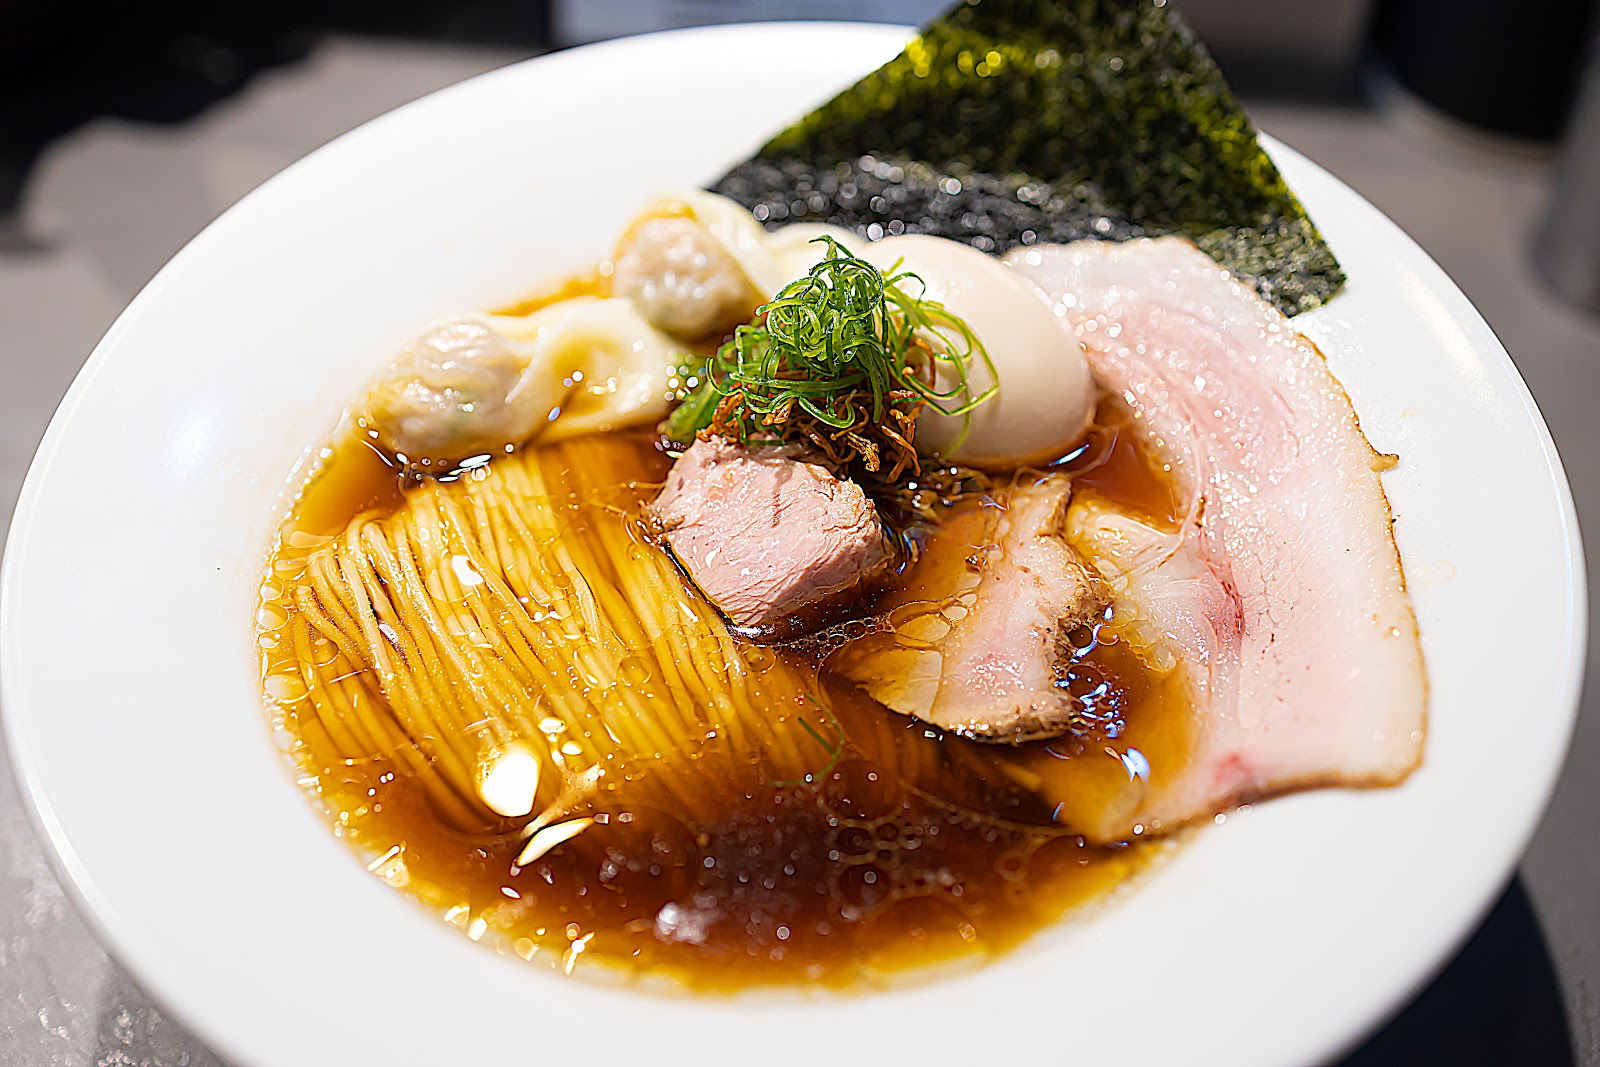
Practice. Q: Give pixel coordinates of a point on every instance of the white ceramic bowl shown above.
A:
(134, 717)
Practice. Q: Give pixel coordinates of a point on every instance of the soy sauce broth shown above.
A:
(902, 849)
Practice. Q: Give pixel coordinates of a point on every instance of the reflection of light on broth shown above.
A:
(538, 731)
(500, 690)
(508, 780)
(549, 837)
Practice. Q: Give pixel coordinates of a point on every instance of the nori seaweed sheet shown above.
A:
(1014, 122)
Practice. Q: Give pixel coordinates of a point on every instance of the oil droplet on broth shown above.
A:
(636, 670)
(759, 658)
(896, 848)
(285, 687)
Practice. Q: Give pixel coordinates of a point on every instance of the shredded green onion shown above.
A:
(833, 747)
(842, 353)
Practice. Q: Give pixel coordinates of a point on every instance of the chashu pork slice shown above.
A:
(981, 619)
(773, 541)
(1281, 594)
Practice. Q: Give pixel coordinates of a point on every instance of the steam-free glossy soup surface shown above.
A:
(891, 849)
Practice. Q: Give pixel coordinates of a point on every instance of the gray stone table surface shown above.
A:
(114, 200)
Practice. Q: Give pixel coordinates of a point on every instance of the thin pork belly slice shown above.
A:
(1281, 594)
(996, 593)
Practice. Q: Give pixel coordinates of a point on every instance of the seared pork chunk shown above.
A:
(772, 540)
(978, 633)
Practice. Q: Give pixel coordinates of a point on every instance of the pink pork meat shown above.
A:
(773, 541)
(1281, 595)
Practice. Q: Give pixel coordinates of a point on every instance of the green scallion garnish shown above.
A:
(843, 358)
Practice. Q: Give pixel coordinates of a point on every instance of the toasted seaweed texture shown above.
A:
(1015, 122)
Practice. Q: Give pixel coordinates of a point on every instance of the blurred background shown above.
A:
(1475, 124)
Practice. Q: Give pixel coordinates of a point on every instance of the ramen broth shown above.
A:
(880, 846)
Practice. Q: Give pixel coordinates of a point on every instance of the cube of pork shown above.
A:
(773, 541)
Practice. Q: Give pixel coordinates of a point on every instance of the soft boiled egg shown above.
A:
(1046, 397)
